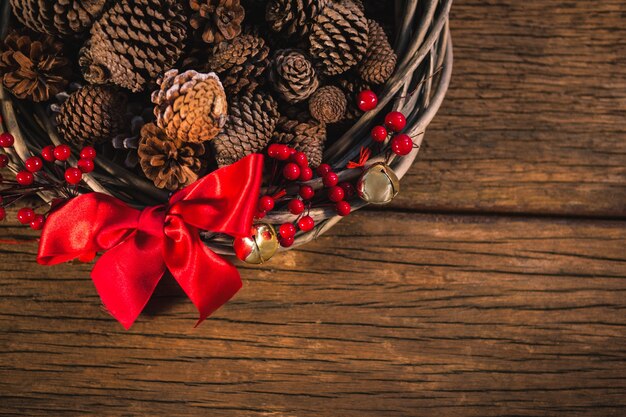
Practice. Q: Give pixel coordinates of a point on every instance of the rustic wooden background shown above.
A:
(495, 284)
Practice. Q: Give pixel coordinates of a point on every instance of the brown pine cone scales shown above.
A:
(168, 165)
(190, 107)
(249, 128)
(293, 16)
(240, 63)
(93, 114)
(33, 68)
(58, 17)
(328, 104)
(339, 37)
(304, 134)
(292, 75)
(380, 59)
(134, 42)
(352, 86)
(219, 19)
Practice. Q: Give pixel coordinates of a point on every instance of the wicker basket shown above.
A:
(416, 89)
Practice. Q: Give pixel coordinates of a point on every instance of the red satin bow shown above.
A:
(140, 245)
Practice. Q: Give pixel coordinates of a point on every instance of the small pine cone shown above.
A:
(58, 17)
(93, 114)
(292, 75)
(304, 134)
(249, 128)
(352, 87)
(339, 37)
(167, 164)
(328, 104)
(190, 107)
(219, 19)
(134, 42)
(240, 63)
(33, 68)
(293, 17)
(380, 59)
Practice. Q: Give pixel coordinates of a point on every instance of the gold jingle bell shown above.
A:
(378, 184)
(259, 247)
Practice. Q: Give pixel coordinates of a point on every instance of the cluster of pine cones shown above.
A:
(223, 78)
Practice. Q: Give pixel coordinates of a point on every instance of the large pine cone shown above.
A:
(240, 63)
(293, 76)
(93, 114)
(293, 16)
(167, 164)
(134, 42)
(304, 134)
(328, 104)
(58, 17)
(33, 68)
(339, 37)
(249, 128)
(219, 19)
(380, 59)
(190, 107)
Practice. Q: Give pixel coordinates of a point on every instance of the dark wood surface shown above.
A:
(494, 286)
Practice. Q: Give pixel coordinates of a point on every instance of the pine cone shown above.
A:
(58, 17)
(33, 68)
(293, 16)
(304, 134)
(249, 128)
(166, 164)
(239, 63)
(328, 104)
(380, 59)
(293, 76)
(190, 107)
(339, 37)
(219, 19)
(93, 114)
(134, 42)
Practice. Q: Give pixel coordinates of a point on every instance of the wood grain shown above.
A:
(471, 316)
(534, 121)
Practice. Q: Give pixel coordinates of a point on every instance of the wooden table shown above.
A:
(494, 285)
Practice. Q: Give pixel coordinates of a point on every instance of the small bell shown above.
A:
(378, 184)
(259, 247)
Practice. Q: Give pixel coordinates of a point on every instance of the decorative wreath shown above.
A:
(165, 134)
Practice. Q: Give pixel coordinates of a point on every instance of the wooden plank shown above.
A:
(410, 315)
(534, 121)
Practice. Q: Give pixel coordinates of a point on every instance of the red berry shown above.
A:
(38, 222)
(301, 159)
(33, 164)
(3, 214)
(306, 223)
(296, 206)
(336, 193)
(343, 208)
(348, 188)
(280, 152)
(4, 160)
(306, 174)
(323, 169)
(25, 215)
(367, 100)
(266, 203)
(331, 179)
(291, 171)
(260, 214)
(73, 175)
(88, 152)
(85, 165)
(379, 134)
(395, 121)
(306, 192)
(25, 178)
(6, 140)
(62, 152)
(286, 242)
(47, 153)
(402, 144)
(287, 230)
